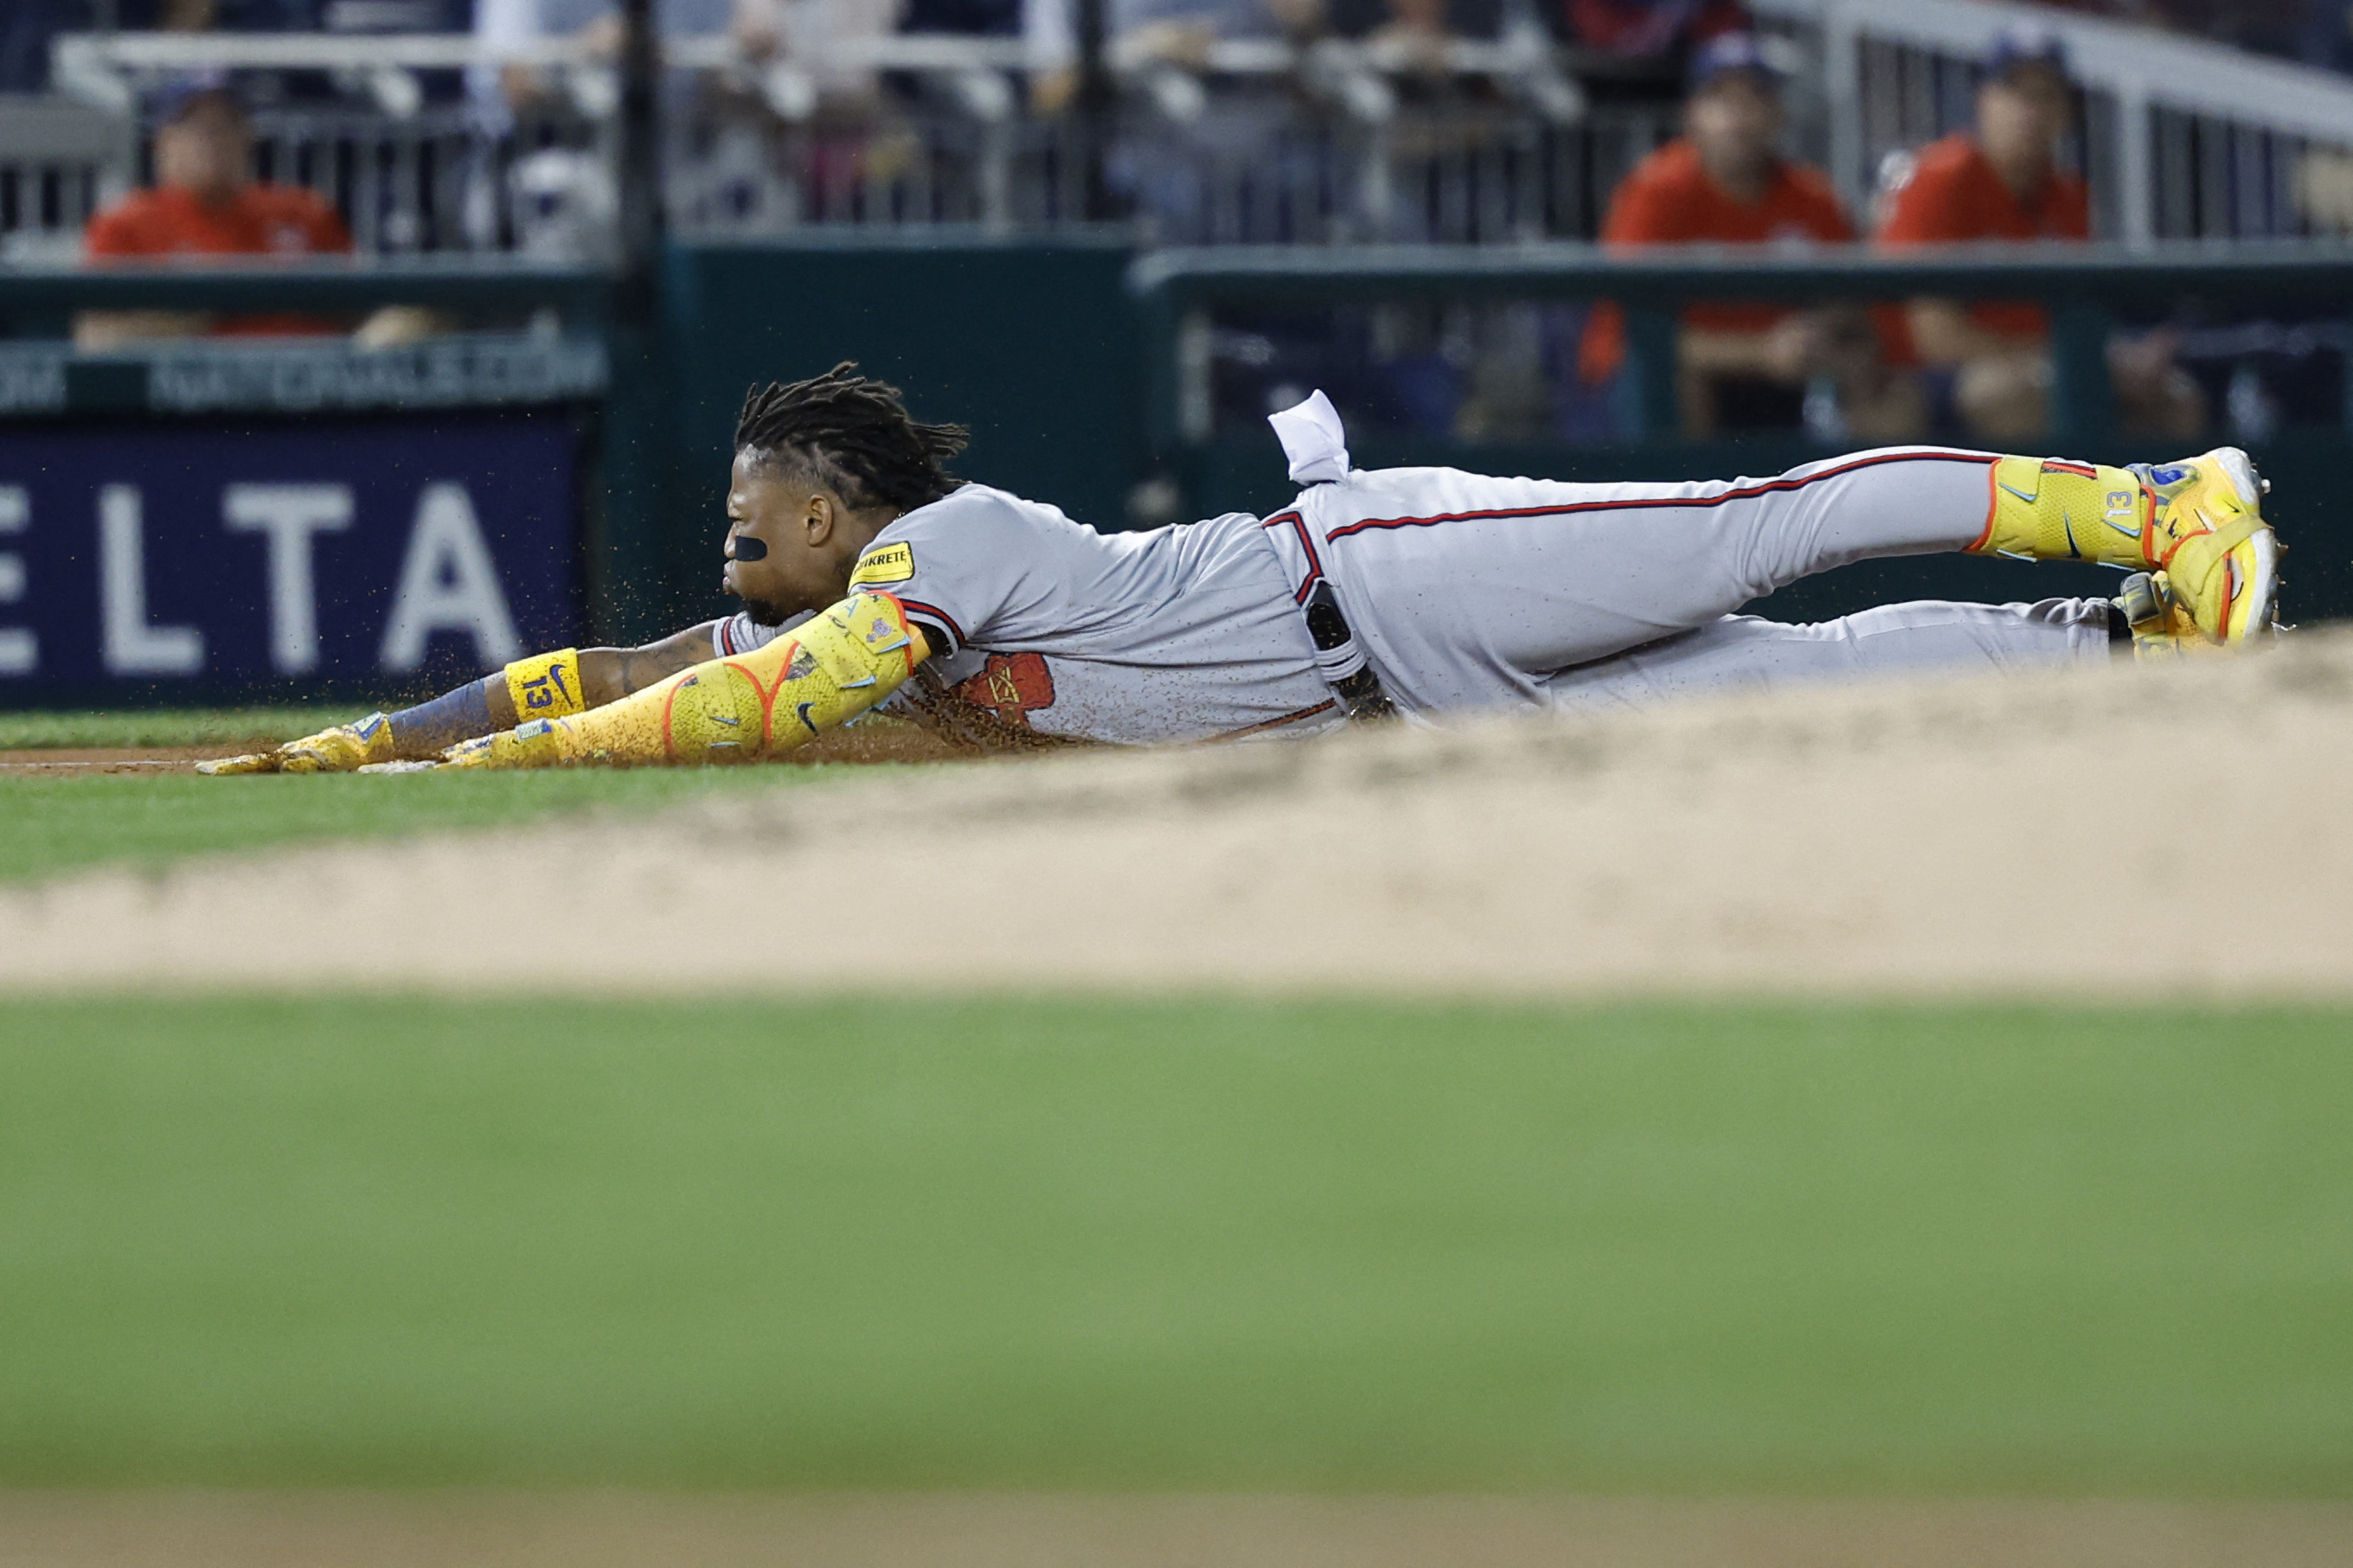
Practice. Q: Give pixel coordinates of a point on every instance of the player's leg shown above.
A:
(1467, 590)
(1746, 653)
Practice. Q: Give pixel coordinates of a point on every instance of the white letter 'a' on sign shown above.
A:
(289, 515)
(447, 583)
(130, 645)
(20, 650)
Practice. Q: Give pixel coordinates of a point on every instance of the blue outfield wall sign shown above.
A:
(206, 556)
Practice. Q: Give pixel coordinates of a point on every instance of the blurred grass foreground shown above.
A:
(1176, 1244)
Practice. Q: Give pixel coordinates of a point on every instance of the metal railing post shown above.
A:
(2136, 165)
(2083, 396)
(1843, 80)
(1649, 408)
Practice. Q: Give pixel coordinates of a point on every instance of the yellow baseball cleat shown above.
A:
(2207, 536)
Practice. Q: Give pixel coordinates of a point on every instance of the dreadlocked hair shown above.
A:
(853, 435)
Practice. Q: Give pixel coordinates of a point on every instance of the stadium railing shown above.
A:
(2084, 286)
(1262, 141)
(59, 162)
(1259, 142)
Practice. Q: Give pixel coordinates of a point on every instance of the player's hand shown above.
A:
(345, 749)
(251, 763)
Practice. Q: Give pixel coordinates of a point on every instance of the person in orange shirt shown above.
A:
(2002, 182)
(1724, 182)
(205, 202)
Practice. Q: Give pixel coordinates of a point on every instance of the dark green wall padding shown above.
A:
(1034, 347)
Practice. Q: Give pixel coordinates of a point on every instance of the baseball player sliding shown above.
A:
(870, 577)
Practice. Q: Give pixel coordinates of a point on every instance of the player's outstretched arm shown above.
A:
(547, 684)
(811, 680)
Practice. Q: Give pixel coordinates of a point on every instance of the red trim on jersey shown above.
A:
(1770, 488)
(910, 609)
(1306, 543)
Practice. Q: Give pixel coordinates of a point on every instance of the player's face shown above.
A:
(1735, 121)
(782, 550)
(2022, 111)
(207, 151)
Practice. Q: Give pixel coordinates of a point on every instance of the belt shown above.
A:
(1342, 662)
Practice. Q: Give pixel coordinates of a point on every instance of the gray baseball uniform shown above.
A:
(1463, 591)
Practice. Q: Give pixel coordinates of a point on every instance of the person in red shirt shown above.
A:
(2002, 182)
(205, 202)
(1724, 182)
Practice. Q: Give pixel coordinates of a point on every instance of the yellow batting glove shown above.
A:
(345, 749)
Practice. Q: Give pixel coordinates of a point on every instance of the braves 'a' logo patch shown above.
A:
(1011, 685)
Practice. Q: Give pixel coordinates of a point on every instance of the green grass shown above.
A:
(53, 824)
(1184, 1243)
(223, 727)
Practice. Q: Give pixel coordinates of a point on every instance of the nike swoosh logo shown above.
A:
(2068, 524)
(2016, 491)
(804, 717)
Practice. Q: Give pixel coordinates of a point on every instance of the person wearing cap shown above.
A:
(1724, 182)
(205, 202)
(2002, 181)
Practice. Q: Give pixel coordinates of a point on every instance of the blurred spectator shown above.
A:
(811, 33)
(1139, 32)
(205, 202)
(594, 24)
(2002, 182)
(1745, 366)
(1644, 29)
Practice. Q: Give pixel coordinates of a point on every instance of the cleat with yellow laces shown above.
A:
(2207, 536)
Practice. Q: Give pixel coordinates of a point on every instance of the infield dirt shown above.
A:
(2127, 831)
(872, 743)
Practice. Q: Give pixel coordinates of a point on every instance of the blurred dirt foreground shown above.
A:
(979, 1530)
(2130, 831)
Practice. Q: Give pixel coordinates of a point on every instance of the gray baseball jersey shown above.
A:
(1042, 624)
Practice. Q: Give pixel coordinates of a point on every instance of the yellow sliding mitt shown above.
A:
(2045, 508)
(337, 750)
(811, 680)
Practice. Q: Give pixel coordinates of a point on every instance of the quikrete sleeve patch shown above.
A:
(892, 563)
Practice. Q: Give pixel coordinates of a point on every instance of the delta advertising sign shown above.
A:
(203, 557)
